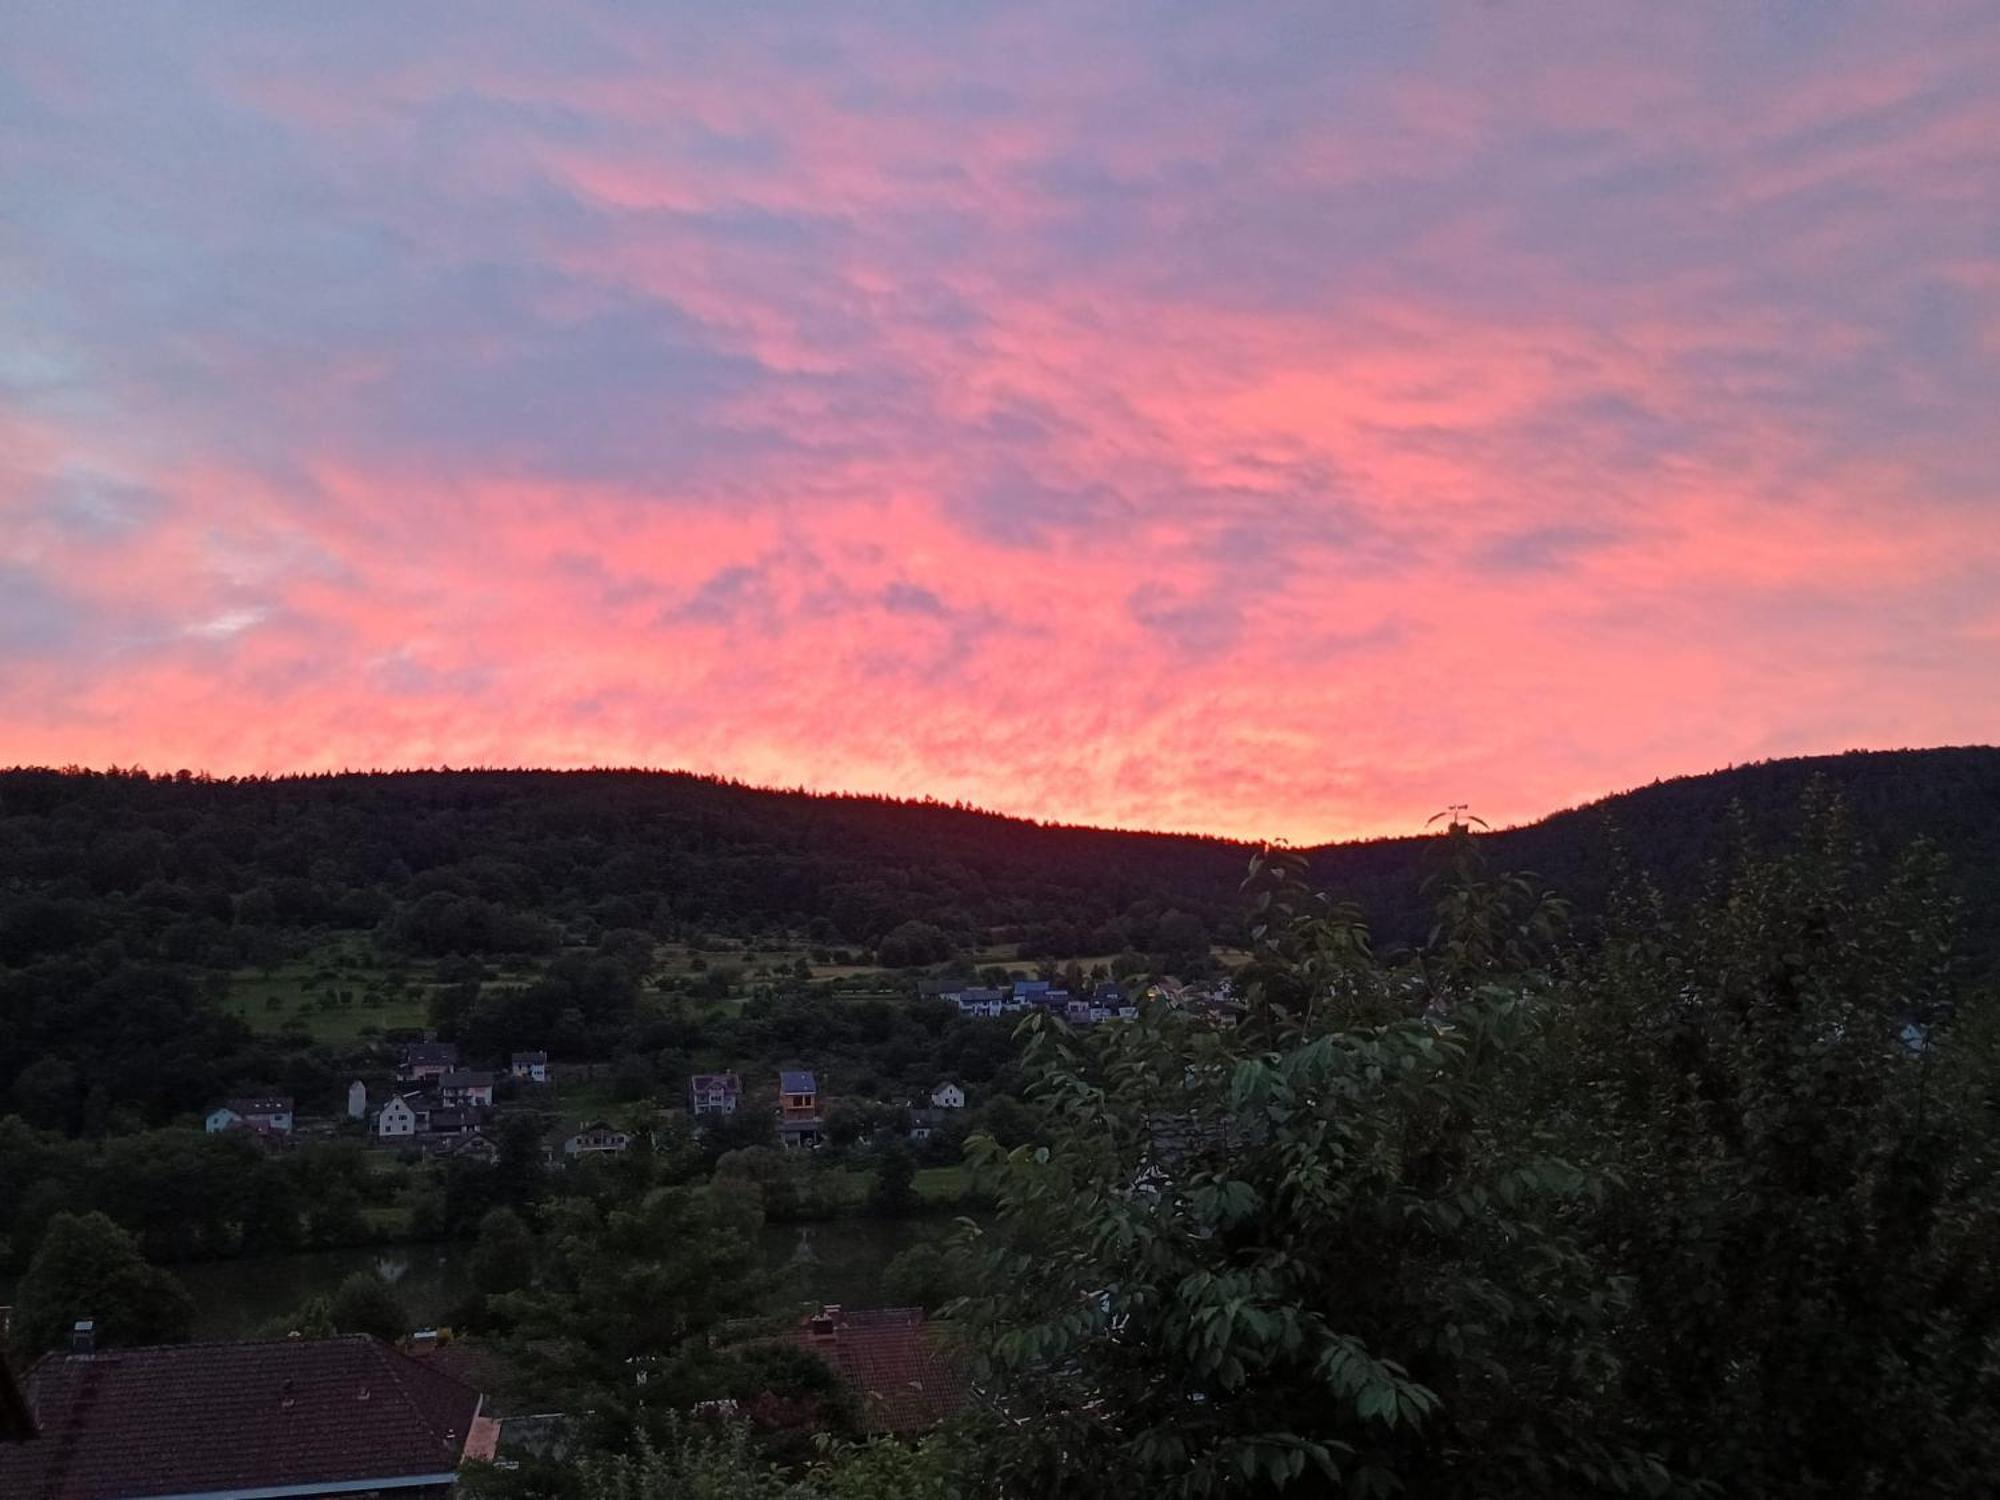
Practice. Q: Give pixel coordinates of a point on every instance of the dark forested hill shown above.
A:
(497, 860)
(136, 913)
(1675, 831)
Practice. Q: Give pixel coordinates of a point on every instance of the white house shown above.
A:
(401, 1117)
(530, 1067)
(979, 1002)
(268, 1114)
(948, 1096)
(357, 1100)
(714, 1093)
(462, 1088)
(596, 1139)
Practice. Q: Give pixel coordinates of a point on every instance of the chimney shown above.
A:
(83, 1337)
(824, 1325)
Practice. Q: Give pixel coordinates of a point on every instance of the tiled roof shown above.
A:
(465, 1078)
(198, 1418)
(905, 1380)
(797, 1082)
(430, 1052)
(728, 1083)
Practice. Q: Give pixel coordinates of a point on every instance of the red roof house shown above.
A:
(319, 1417)
(895, 1363)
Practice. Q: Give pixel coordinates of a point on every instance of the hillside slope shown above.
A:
(190, 863)
(1676, 831)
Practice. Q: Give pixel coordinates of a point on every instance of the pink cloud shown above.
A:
(1098, 414)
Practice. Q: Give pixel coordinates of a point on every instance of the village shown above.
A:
(437, 1106)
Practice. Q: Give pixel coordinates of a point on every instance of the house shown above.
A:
(421, 1062)
(266, 1115)
(357, 1100)
(979, 1002)
(530, 1067)
(595, 1138)
(948, 1096)
(901, 1373)
(403, 1116)
(799, 1119)
(1076, 1010)
(289, 1417)
(1029, 992)
(449, 1122)
(924, 1123)
(461, 1088)
(714, 1093)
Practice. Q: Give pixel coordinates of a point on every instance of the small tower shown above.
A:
(357, 1100)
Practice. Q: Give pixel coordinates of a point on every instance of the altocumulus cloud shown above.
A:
(1280, 420)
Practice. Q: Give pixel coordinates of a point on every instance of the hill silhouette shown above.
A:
(530, 853)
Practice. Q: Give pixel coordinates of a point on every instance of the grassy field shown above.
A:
(337, 996)
(346, 992)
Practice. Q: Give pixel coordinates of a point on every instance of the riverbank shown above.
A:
(833, 1260)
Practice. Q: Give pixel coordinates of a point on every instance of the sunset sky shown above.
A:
(1259, 419)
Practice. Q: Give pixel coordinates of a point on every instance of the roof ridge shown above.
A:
(400, 1366)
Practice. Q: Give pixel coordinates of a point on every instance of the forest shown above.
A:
(529, 909)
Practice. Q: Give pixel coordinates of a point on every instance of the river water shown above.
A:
(235, 1298)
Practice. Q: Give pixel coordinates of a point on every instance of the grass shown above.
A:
(943, 1185)
(335, 1000)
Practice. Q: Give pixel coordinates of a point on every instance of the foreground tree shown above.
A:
(363, 1303)
(1317, 1250)
(625, 1299)
(1794, 1092)
(87, 1267)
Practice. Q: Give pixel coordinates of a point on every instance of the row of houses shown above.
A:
(800, 1109)
(427, 1062)
(1106, 1002)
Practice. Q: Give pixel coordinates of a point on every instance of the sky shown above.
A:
(1279, 420)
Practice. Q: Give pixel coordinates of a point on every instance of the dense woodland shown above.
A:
(130, 903)
(1689, 1187)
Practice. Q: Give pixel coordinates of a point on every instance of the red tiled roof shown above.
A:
(906, 1381)
(197, 1418)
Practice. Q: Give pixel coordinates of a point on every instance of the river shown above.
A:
(235, 1298)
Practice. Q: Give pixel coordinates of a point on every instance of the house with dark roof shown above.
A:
(300, 1417)
(980, 1001)
(420, 1062)
(465, 1088)
(452, 1122)
(405, 1115)
(903, 1376)
(593, 1138)
(714, 1093)
(529, 1067)
(800, 1121)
